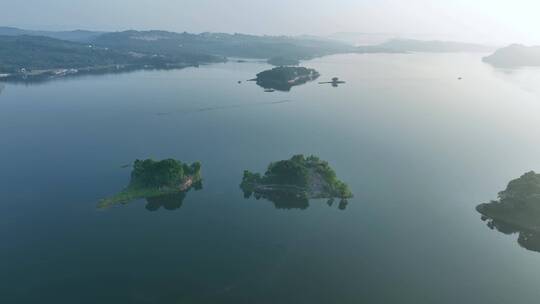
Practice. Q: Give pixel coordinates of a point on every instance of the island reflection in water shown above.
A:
(527, 239)
(170, 202)
(517, 211)
(288, 201)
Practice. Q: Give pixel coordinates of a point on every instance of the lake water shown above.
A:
(418, 147)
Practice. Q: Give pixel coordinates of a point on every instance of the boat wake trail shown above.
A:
(207, 109)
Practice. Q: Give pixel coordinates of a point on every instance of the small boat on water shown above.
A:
(335, 81)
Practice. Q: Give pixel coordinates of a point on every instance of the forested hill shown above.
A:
(37, 52)
(27, 56)
(219, 44)
(74, 36)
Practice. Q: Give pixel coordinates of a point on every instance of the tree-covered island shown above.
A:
(291, 183)
(283, 78)
(160, 182)
(517, 210)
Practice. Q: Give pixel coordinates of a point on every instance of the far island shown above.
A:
(290, 184)
(284, 78)
(515, 55)
(517, 210)
(162, 183)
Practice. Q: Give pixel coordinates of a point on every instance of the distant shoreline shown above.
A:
(64, 73)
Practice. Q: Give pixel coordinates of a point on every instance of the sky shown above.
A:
(491, 21)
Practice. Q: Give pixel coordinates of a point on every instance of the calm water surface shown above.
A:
(418, 147)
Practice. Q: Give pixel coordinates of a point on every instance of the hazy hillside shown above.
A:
(38, 52)
(515, 55)
(75, 36)
(361, 39)
(43, 53)
(228, 45)
(24, 56)
(93, 51)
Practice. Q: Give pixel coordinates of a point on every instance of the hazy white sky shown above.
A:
(471, 20)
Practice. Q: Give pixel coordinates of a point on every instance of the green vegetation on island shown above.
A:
(284, 78)
(160, 182)
(291, 183)
(517, 210)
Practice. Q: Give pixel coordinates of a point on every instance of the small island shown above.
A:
(290, 184)
(284, 78)
(517, 210)
(162, 183)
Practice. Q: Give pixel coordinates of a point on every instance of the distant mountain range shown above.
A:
(38, 54)
(75, 36)
(34, 56)
(220, 44)
(29, 54)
